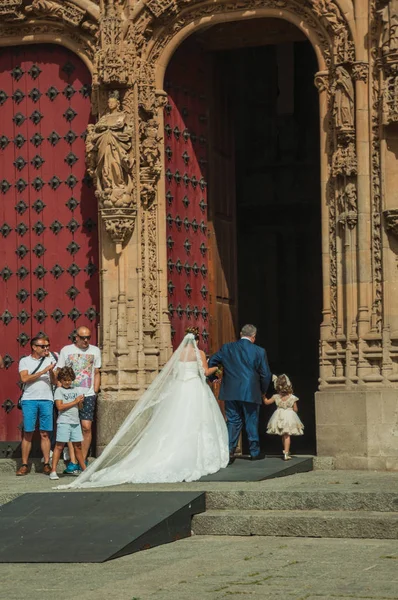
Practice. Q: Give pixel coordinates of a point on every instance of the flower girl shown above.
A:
(284, 421)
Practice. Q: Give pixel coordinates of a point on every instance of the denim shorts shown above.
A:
(37, 409)
(87, 412)
(69, 432)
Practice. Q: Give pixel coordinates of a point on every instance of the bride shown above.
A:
(175, 432)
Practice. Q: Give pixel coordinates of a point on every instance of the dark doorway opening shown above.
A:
(275, 118)
(278, 221)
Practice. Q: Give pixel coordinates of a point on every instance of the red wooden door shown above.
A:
(48, 213)
(222, 206)
(186, 132)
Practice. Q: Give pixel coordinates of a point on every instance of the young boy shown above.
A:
(68, 401)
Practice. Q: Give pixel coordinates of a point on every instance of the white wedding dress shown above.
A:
(176, 432)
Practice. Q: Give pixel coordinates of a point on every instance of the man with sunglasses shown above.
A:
(37, 377)
(85, 361)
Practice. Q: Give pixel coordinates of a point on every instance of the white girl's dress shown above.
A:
(285, 419)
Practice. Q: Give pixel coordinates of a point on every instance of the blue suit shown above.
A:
(246, 378)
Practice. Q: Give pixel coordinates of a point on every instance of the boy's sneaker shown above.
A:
(77, 472)
(71, 468)
(53, 475)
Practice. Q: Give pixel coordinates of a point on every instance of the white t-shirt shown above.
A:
(84, 363)
(69, 415)
(41, 388)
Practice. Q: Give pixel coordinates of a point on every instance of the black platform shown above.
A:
(93, 526)
(258, 470)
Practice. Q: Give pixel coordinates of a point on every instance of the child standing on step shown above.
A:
(68, 401)
(285, 420)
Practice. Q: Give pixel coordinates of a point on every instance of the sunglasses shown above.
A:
(84, 337)
(42, 345)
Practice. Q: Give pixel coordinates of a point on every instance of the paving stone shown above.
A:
(221, 568)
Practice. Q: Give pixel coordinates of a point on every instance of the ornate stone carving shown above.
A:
(318, 15)
(158, 7)
(321, 81)
(360, 71)
(376, 199)
(11, 10)
(344, 102)
(64, 19)
(150, 101)
(110, 163)
(347, 198)
(389, 34)
(347, 205)
(66, 11)
(331, 200)
(391, 220)
(331, 17)
(150, 161)
(116, 59)
(108, 146)
(150, 290)
(150, 153)
(344, 160)
(390, 99)
(119, 225)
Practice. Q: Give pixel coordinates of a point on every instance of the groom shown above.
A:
(246, 376)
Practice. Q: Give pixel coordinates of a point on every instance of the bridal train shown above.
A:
(176, 431)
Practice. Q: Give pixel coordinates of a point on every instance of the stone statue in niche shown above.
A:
(343, 100)
(347, 199)
(109, 160)
(150, 161)
(389, 35)
(150, 144)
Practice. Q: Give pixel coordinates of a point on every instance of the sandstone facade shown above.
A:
(127, 45)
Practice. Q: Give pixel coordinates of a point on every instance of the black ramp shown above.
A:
(89, 527)
(259, 470)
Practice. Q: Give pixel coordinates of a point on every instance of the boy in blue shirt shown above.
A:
(68, 400)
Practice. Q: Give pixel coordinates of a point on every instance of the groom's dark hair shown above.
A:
(248, 331)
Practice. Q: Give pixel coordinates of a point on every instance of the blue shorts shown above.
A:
(37, 409)
(69, 432)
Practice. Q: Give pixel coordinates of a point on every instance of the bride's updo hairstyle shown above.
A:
(283, 385)
(194, 331)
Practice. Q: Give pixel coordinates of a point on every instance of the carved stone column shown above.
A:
(113, 160)
(322, 84)
(353, 416)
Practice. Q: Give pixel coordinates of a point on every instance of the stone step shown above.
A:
(282, 500)
(300, 523)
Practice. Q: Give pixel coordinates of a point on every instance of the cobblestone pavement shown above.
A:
(217, 568)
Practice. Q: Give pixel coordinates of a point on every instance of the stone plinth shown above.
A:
(359, 428)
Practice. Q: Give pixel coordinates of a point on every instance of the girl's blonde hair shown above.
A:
(283, 385)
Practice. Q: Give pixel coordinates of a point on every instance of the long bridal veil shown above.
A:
(144, 417)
